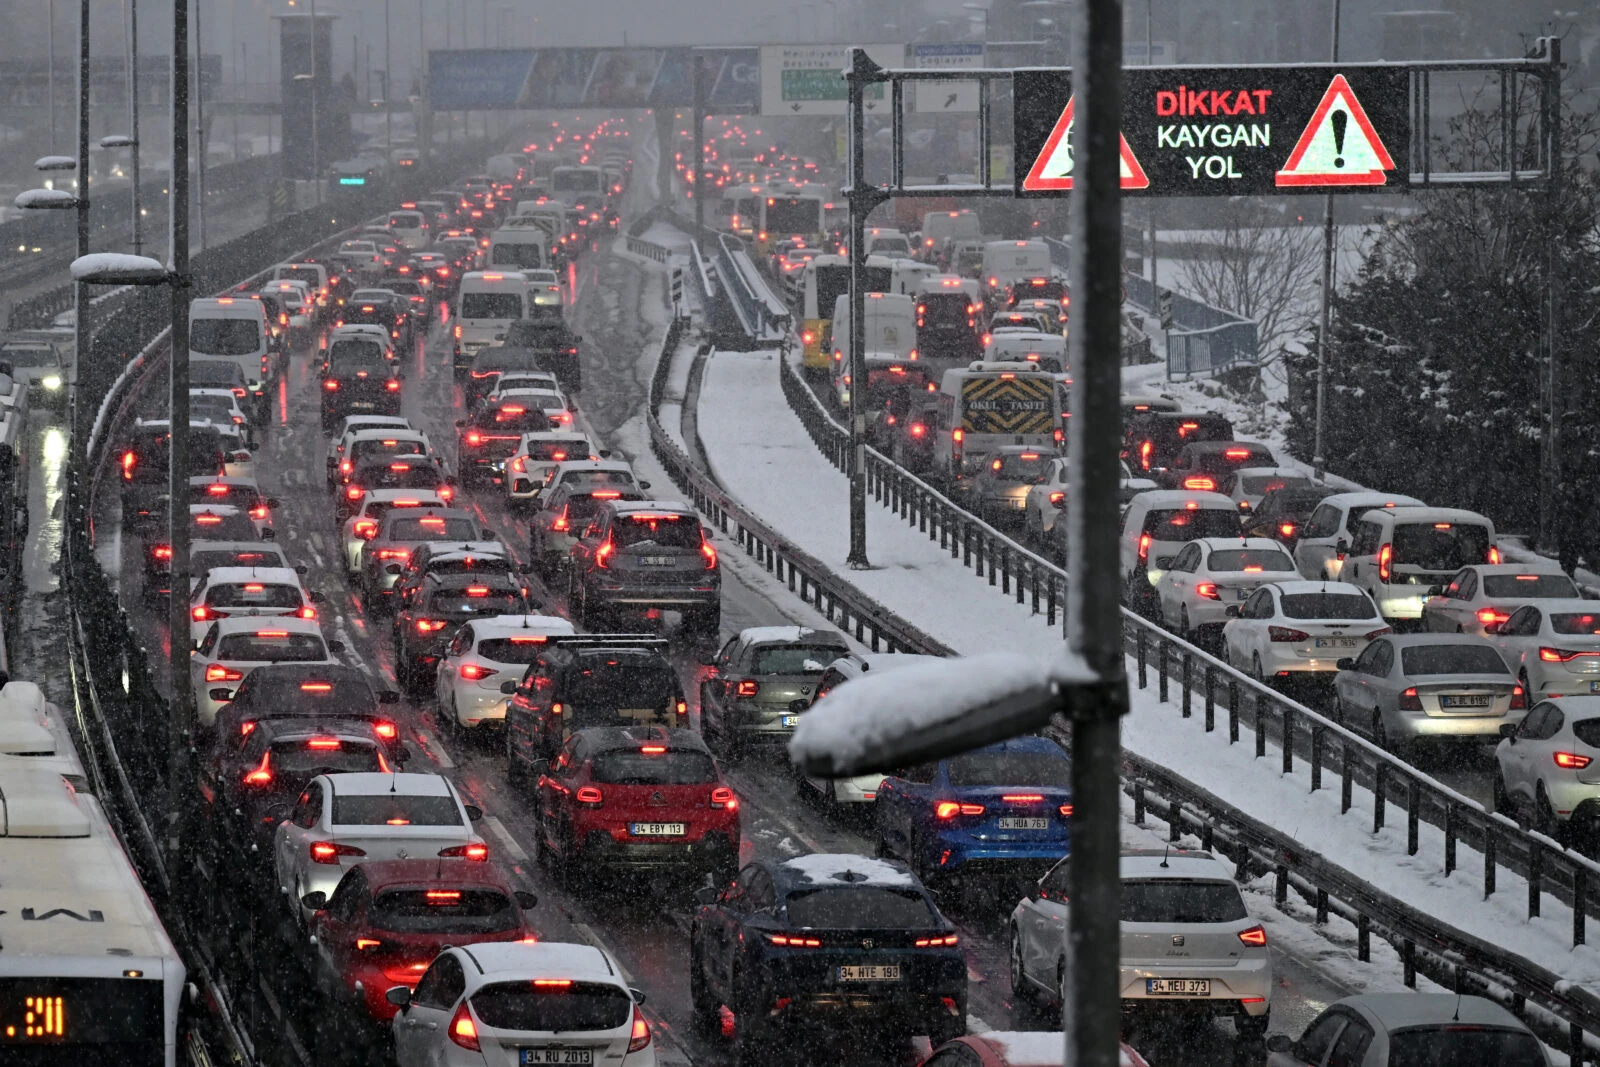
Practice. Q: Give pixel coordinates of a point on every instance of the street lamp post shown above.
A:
(200, 122)
(388, 107)
(133, 122)
(80, 291)
(180, 722)
(1318, 459)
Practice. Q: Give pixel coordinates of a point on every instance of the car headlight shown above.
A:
(51, 382)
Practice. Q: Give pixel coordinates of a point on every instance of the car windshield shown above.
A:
(561, 1008)
(626, 766)
(1529, 586)
(405, 288)
(491, 306)
(443, 909)
(859, 907)
(225, 337)
(20, 356)
(1455, 1045)
(617, 683)
(212, 373)
(253, 595)
(324, 755)
(1325, 605)
(656, 530)
(1180, 900)
(272, 646)
(207, 558)
(1262, 484)
(356, 353)
(478, 600)
(1005, 768)
(516, 254)
(1440, 546)
(394, 809)
(1576, 623)
(1186, 524)
(795, 659)
(1452, 659)
(431, 528)
(1028, 468)
(1249, 559)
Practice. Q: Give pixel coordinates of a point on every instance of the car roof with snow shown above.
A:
(631, 507)
(499, 960)
(856, 664)
(1171, 863)
(264, 575)
(498, 627)
(759, 635)
(1331, 588)
(1366, 499)
(374, 783)
(840, 868)
(1213, 544)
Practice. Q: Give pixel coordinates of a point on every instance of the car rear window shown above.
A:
(489, 602)
(206, 559)
(945, 310)
(319, 755)
(1262, 484)
(253, 595)
(310, 275)
(1575, 623)
(239, 496)
(1328, 606)
(1587, 731)
(394, 809)
(384, 446)
(443, 909)
(1180, 900)
(491, 306)
(859, 907)
(272, 646)
(1528, 585)
(556, 451)
(1452, 659)
(355, 353)
(402, 476)
(1186, 524)
(618, 684)
(562, 1008)
(225, 337)
(522, 650)
(1456, 1045)
(431, 528)
(1441, 546)
(639, 767)
(1247, 559)
(1010, 768)
(795, 659)
(214, 527)
(1029, 468)
(656, 529)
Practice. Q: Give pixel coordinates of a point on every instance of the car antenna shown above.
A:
(1457, 1016)
(1165, 854)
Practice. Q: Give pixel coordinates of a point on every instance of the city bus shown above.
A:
(790, 212)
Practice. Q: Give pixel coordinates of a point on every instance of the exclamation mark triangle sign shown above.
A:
(1339, 145)
(1052, 170)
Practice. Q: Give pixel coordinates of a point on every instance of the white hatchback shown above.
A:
(1211, 574)
(1553, 647)
(1290, 628)
(483, 654)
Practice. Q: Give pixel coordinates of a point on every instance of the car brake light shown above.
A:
(1253, 936)
(639, 1037)
(1202, 482)
(330, 851)
(262, 775)
(724, 798)
(393, 385)
(1236, 453)
(1409, 701)
(364, 943)
(748, 687)
(1494, 554)
(1385, 556)
(129, 460)
(1572, 761)
(474, 437)
(472, 672)
(463, 1031)
(1144, 547)
(561, 521)
(949, 809)
(1373, 635)
(218, 673)
(602, 554)
(1489, 615)
(936, 942)
(354, 492)
(1519, 699)
(1286, 529)
(710, 553)
(588, 794)
(428, 626)
(1207, 590)
(394, 553)
(366, 529)
(200, 614)
(794, 942)
(477, 852)
(331, 385)
(323, 743)
(1286, 633)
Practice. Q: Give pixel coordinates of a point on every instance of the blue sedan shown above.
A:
(1003, 809)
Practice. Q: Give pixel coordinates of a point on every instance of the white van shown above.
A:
(1006, 261)
(412, 228)
(522, 243)
(887, 241)
(233, 328)
(908, 275)
(578, 185)
(1048, 350)
(891, 342)
(486, 305)
(1398, 554)
(941, 227)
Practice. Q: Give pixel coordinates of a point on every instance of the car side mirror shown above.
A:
(301, 569)
(1492, 627)
(272, 502)
(389, 696)
(708, 659)
(314, 901)
(1508, 730)
(1345, 663)
(399, 996)
(508, 688)
(317, 597)
(335, 646)
(638, 995)
(797, 707)
(489, 535)
(605, 453)
(460, 423)
(707, 895)
(644, 485)
(525, 899)
(474, 813)
(1436, 590)
(1231, 611)
(1280, 1043)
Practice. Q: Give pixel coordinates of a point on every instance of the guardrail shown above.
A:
(763, 318)
(1276, 721)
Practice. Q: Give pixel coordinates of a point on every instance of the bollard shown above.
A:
(1261, 731)
(1138, 641)
(1408, 955)
(1413, 816)
(1318, 742)
(1380, 779)
(1449, 837)
(1535, 876)
(1161, 670)
(1489, 845)
(1138, 803)
(1280, 891)
(1233, 711)
(1175, 821)
(1580, 903)
(1347, 773)
(1363, 938)
(1005, 571)
(1288, 739)
(1322, 907)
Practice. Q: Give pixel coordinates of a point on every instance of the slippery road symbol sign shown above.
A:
(1052, 169)
(1339, 145)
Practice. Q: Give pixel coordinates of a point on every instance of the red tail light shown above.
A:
(602, 554)
(1022, 798)
(1488, 616)
(354, 492)
(1286, 633)
(1494, 554)
(428, 626)
(1409, 701)
(262, 775)
(394, 553)
(1373, 635)
(474, 437)
(1144, 548)
(472, 672)
(722, 797)
(1572, 761)
(477, 852)
(200, 614)
(331, 384)
(386, 730)
(1519, 699)
(1385, 556)
(938, 942)
(1286, 529)
(366, 529)
(330, 851)
(639, 1038)
(1207, 590)
(1562, 655)
(588, 794)
(710, 553)
(1253, 936)
(129, 461)
(949, 809)
(218, 673)
(1203, 482)
(393, 385)
(747, 687)
(463, 1031)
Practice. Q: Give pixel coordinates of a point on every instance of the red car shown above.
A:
(386, 922)
(1001, 1048)
(637, 796)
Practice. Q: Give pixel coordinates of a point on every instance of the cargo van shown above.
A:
(234, 328)
(891, 344)
(412, 228)
(1398, 554)
(522, 243)
(1005, 262)
(941, 227)
(983, 406)
(947, 320)
(486, 306)
(578, 185)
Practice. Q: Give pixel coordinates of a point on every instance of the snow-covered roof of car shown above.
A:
(825, 868)
(371, 783)
(1171, 863)
(500, 626)
(546, 959)
(765, 634)
(264, 575)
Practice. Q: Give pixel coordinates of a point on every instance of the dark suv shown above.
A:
(431, 610)
(307, 691)
(556, 345)
(1205, 465)
(358, 378)
(582, 681)
(640, 557)
(146, 457)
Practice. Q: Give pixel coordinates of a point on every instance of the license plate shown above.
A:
(1482, 701)
(655, 561)
(876, 972)
(790, 720)
(1334, 642)
(1025, 824)
(1178, 987)
(581, 1057)
(362, 405)
(656, 829)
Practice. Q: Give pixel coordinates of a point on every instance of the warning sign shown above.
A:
(1339, 145)
(1228, 131)
(1052, 168)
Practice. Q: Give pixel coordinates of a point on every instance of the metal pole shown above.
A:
(1091, 1013)
(316, 76)
(200, 126)
(52, 75)
(1149, 58)
(133, 120)
(388, 108)
(80, 290)
(862, 201)
(181, 721)
(1551, 521)
(1318, 456)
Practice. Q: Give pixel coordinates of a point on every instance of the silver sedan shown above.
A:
(1405, 688)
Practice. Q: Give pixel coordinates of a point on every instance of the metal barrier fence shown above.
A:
(1296, 731)
(763, 318)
